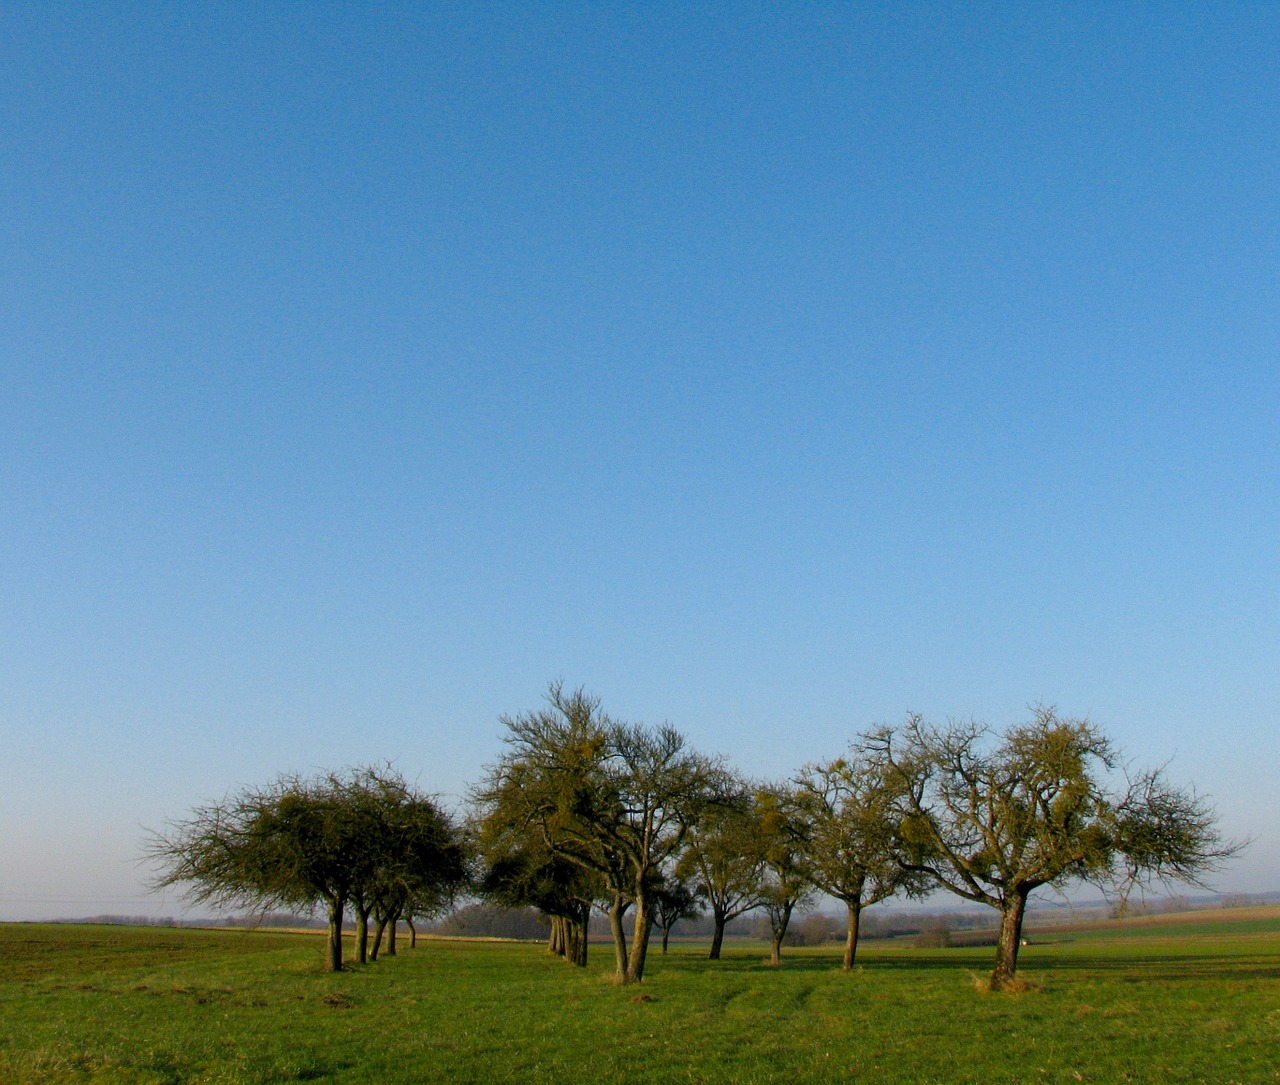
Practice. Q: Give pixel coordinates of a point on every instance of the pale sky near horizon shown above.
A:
(772, 370)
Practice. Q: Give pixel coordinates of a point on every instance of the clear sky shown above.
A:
(771, 370)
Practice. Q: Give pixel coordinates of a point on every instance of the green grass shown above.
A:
(1145, 1004)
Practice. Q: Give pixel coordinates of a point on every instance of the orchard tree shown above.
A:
(994, 817)
(520, 871)
(290, 844)
(551, 793)
(788, 885)
(675, 899)
(660, 788)
(724, 858)
(615, 798)
(417, 856)
(847, 807)
(300, 842)
(403, 845)
(363, 800)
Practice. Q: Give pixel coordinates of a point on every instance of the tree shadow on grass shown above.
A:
(759, 964)
(1188, 968)
(746, 962)
(1177, 967)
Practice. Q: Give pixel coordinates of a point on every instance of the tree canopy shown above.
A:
(994, 817)
(328, 840)
(724, 858)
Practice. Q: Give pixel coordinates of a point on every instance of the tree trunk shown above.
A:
(640, 939)
(393, 921)
(413, 934)
(666, 935)
(779, 933)
(1014, 908)
(576, 935)
(556, 940)
(851, 936)
(616, 910)
(717, 937)
(333, 948)
(362, 934)
(379, 929)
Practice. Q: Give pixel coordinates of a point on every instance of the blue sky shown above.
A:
(771, 370)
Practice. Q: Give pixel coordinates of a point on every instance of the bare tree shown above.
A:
(724, 858)
(615, 798)
(994, 817)
(675, 899)
(552, 790)
(847, 806)
(661, 788)
(788, 886)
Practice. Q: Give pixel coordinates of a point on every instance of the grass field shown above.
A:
(1191, 1002)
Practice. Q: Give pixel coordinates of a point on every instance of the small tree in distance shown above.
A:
(788, 886)
(724, 858)
(933, 934)
(673, 901)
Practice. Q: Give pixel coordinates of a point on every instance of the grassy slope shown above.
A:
(165, 1006)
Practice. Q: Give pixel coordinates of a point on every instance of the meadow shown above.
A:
(1197, 1001)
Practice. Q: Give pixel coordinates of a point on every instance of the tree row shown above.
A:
(583, 811)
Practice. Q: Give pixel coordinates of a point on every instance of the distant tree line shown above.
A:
(112, 919)
(584, 813)
(493, 921)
